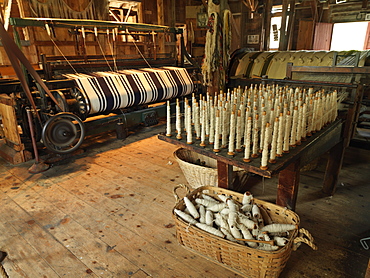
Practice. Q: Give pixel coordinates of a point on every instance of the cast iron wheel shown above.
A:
(61, 99)
(63, 133)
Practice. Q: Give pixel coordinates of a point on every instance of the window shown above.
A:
(349, 36)
(275, 32)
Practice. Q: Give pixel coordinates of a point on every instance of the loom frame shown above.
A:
(147, 114)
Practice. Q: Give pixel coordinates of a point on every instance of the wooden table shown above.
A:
(286, 167)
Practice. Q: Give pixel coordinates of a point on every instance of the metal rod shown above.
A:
(32, 131)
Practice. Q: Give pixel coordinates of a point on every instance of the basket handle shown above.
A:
(305, 237)
(181, 185)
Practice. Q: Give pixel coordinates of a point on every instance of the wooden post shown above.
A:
(160, 17)
(267, 25)
(224, 174)
(290, 25)
(288, 186)
(333, 167)
(314, 21)
(263, 32)
(283, 39)
(352, 115)
(289, 70)
(178, 56)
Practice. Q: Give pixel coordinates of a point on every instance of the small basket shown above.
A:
(243, 260)
(200, 170)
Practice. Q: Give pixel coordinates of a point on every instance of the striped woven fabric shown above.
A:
(107, 91)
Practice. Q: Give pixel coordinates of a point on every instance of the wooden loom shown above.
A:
(66, 121)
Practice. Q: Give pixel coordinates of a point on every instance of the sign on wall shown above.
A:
(253, 39)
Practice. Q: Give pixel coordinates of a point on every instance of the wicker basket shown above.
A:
(243, 260)
(205, 174)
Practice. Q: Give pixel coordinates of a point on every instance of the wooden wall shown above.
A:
(306, 16)
(245, 23)
(349, 12)
(240, 26)
(313, 21)
(36, 41)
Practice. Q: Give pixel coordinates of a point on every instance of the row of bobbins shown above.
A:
(263, 121)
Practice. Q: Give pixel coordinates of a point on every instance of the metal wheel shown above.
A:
(83, 106)
(63, 133)
(61, 99)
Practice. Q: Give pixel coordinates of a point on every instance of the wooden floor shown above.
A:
(107, 213)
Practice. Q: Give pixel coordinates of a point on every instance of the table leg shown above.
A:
(333, 167)
(288, 186)
(225, 175)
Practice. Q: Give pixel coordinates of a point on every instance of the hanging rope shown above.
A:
(226, 43)
(101, 47)
(47, 27)
(138, 50)
(111, 47)
(212, 54)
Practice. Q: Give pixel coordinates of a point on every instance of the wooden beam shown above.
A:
(172, 13)
(236, 29)
(160, 17)
(343, 70)
(314, 17)
(67, 23)
(283, 37)
(267, 25)
(290, 29)
(247, 5)
(13, 156)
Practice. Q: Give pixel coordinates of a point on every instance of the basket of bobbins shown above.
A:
(248, 236)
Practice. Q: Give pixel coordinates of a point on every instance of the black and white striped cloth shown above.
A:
(108, 91)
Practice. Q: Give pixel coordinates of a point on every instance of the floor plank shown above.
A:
(107, 213)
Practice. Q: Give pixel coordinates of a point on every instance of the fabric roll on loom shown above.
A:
(108, 91)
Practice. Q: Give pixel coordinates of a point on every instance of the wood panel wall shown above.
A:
(305, 31)
(367, 40)
(307, 14)
(349, 12)
(322, 37)
(36, 41)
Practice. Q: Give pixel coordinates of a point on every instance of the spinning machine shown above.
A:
(247, 64)
(271, 124)
(74, 96)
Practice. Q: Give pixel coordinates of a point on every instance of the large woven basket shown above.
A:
(243, 260)
(200, 170)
